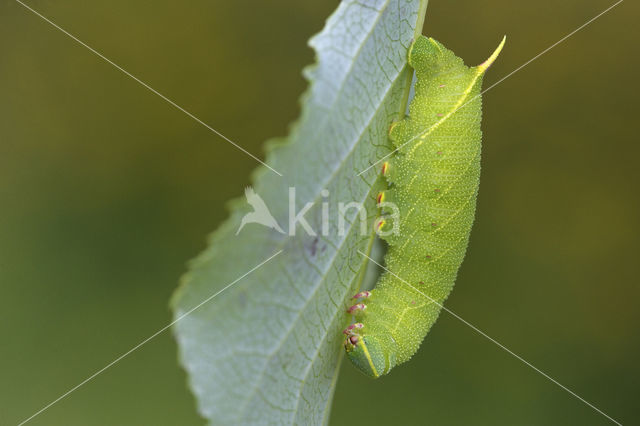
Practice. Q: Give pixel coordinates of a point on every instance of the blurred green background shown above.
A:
(106, 191)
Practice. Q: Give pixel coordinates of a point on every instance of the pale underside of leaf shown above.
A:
(267, 350)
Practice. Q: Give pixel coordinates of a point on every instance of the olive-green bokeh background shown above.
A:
(106, 191)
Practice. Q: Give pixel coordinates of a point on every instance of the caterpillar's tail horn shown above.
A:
(486, 64)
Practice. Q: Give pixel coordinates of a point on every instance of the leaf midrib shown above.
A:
(337, 251)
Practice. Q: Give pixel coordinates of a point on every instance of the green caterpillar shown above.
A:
(433, 179)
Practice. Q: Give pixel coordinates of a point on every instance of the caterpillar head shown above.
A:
(374, 355)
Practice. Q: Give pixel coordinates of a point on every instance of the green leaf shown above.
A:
(267, 349)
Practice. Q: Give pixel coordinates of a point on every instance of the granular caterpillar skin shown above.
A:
(433, 178)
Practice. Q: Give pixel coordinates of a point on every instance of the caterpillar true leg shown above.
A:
(362, 295)
(358, 307)
(351, 330)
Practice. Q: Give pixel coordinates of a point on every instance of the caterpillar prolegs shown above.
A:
(433, 179)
